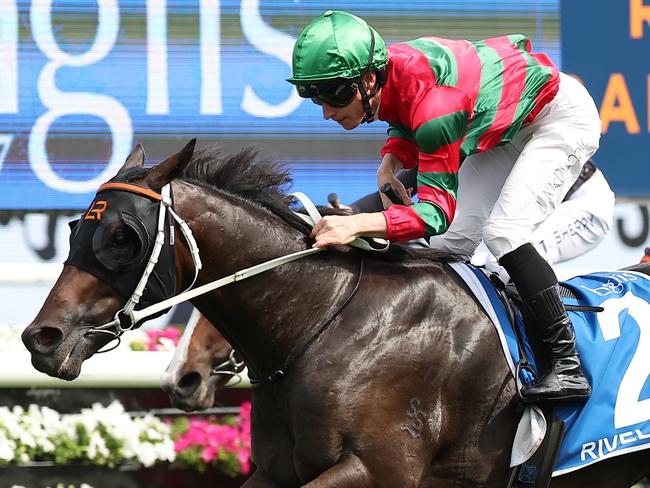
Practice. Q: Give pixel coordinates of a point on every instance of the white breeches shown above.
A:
(578, 225)
(504, 194)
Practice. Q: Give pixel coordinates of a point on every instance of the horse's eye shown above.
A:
(120, 239)
(117, 246)
(124, 243)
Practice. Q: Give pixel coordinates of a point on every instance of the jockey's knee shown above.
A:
(502, 237)
(460, 244)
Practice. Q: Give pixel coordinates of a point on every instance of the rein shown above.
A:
(127, 317)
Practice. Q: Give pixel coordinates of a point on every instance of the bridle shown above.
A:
(231, 367)
(124, 319)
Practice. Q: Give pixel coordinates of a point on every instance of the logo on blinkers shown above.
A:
(96, 211)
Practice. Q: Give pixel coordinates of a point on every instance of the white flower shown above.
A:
(7, 448)
(147, 455)
(9, 422)
(152, 434)
(46, 445)
(68, 427)
(166, 451)
(96, 446)
(146, 440)
(87, 420)
(27, 439)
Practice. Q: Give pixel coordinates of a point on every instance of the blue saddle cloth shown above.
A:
(614, 347)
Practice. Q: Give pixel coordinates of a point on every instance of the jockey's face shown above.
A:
(350, 116)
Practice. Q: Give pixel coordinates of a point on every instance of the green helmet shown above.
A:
(336, 44)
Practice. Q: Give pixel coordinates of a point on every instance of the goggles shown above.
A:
(338, 94)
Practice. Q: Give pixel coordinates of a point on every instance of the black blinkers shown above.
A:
(114, 239)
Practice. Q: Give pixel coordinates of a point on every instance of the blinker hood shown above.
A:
(114, 239)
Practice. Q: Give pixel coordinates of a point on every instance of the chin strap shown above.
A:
(365, 100)
(380, 80)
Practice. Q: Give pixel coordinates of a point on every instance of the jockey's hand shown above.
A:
(338, 230)
(404, 194)
(386, 174)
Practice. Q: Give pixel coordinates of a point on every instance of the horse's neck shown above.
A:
(271, 315)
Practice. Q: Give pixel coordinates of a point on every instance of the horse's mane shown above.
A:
(247, 175)
(264, 182)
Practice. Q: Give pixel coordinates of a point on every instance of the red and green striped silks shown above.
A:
(447, 98)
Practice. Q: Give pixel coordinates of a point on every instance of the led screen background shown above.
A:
(82, 82)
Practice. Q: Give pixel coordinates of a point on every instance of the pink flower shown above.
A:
(209, 453)
(244, 458)
(214, 438)
(154, 336)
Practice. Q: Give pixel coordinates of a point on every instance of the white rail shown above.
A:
(29, 273)
(116, 369)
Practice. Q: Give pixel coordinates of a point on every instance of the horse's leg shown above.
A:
(259, 480)
(349, 472)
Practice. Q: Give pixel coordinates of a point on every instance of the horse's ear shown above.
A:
(164, 172)
(135, 159)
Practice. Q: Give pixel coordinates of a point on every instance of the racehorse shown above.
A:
(203, 362)
(373, 369)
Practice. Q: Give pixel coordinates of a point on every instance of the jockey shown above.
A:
(524, 129)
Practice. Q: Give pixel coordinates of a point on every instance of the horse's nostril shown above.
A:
(48, 336)
(189, 383)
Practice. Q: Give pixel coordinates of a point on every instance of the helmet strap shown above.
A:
(380, 79)
(365, 100)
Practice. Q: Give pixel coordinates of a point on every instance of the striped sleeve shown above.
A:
(401, 144)
(440, 121)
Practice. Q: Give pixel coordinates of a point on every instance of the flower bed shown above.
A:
(201, 443)
(108, 436)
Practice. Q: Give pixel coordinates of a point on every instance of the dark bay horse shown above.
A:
(203, 362)
(405, 386)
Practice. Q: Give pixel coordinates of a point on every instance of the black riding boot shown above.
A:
(561, 378)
